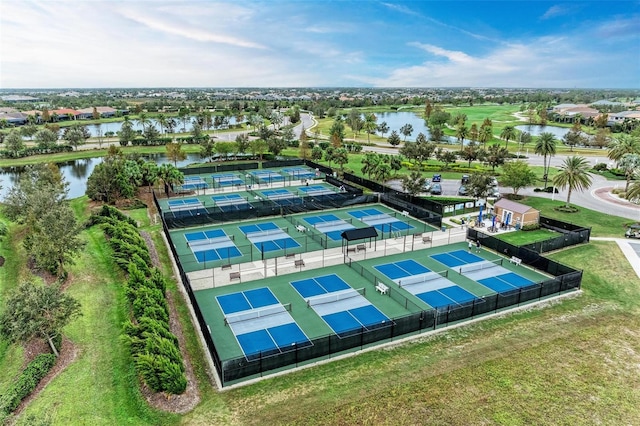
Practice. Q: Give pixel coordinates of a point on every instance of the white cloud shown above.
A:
(556, 10)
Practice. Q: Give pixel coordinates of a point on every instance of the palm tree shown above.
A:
(509, 132)
(485, 135)
(162, 122)
(462, 131)
(574, 175)
(624, 144)
(633, 193)
(169, 175)
(546, 146)
(143, 121)
(370, 125)
(630, 164)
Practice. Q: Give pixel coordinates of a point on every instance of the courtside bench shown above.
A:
(515, 260)
(382, 288)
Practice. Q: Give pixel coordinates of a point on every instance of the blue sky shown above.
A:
(151, 43)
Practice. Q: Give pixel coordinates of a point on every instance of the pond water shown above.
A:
(395, 120)
(103, 128)
(76, 172)
(536, 130)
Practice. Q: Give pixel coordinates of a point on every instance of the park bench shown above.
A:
(361, 247)
(351, 249)
(301, 228)
(299, 263)
(234, 275)
(515, 260)
(426, 239)
(289, 255)
(227, 266)
(382, 288)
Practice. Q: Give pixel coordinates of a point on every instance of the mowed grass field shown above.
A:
(572, 361)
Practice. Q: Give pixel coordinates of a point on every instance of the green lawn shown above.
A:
(521, 238)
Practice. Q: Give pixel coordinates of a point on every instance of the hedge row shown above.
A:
(26, 383)
(154, 348)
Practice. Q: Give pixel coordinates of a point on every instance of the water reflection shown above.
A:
(76, 172)
(536, 130)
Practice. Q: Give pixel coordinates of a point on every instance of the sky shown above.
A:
(297, 43)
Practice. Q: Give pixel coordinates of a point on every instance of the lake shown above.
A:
(76, 172)
(536, 130)
(115, 127)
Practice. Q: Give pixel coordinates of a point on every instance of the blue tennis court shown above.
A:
(401, 269)
(315, 190)
(186, 207)
(211, 245)
(329, 224)
(268, 237)
(505, 282)
(194, 182)
(227, 179)
(261, 324)
(267, 176)
(381, 221)
(443, 297)
(300, 173)
(456, 258)
(343, 308)
(231, 202)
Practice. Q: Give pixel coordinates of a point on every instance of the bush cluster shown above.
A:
(530, 227)
(36, 151)
(26, 382)
(600, 167)
(154, 348)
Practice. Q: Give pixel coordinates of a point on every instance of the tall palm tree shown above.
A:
(143, 121)
(370, 124)
(624, 144)
(546, 146)
(462, 131)
(169, 175)
(573, 175)
(485, 135)
(509, 132)
(162, 122)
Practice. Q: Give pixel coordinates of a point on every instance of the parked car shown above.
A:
(465, 179)
(494, 182)
(494, 193)
(436, 178)
(436, 189)
(427, 185)
(463, 190)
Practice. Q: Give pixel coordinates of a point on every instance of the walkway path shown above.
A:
(630, 248)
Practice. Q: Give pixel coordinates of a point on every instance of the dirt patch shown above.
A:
(153, 253)
(2, 260)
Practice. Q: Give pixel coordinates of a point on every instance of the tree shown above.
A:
(546, 146)
(304, 148)
(316, 153)
(428, 108)
(162, 122)
(14, 143)
(479, 185)
(494, 156)
(462, 131)
(45, 139)
(382, 173)
(573, 138)
(474, 133)
(383, 128)
(39, 188)
(394, 139)
(508, 133)
(602, 138)
(573, 175)
(169, 175)
(341, 157)
(207, 148)
(258, 147)
(370, 125)
(436, 133)
(336, 133)
(630, 165)
(624, 144)
(413, 184)
(406, 131)
(223, 149)
(523, 139)
(150, 172)
(54, 239)
(517, 175)
(74, 136)
(470, 152)
(183, 115)
(36, 310)
(175, 153)
(242, 142)
(276, 119)
(143, 121)
(196, 130)
(355, 121)
(126, 133)
(276, 145)
(633, 193)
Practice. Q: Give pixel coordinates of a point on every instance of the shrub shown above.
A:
(3, 229)
(600, 167)
(26, 382)
(530, 227)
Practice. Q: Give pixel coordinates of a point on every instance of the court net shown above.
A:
(230, 201)
(478, 266)
(185, 207)
(316, 192)
(256, 313)
(329, 224)
(266, 233)
(335, 296)
(208, 241)
(418, 279)
(373, 217)
(281, 196)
